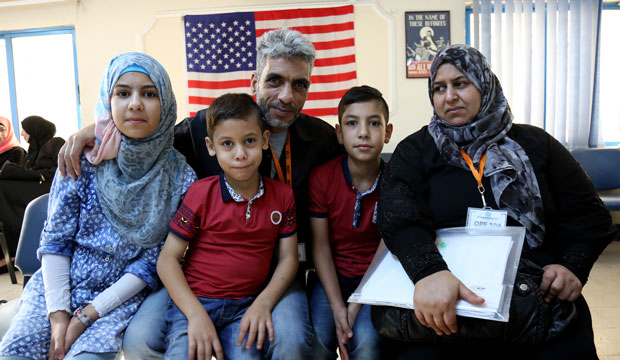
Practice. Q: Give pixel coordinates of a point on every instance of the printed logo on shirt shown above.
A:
(276, 217)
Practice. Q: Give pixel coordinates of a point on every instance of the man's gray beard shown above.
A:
(277, 124)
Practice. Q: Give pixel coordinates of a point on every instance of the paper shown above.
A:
(479, 260)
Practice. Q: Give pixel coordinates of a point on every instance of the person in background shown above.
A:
(225, 233)
(105, 229)
(284, 63)
(431, 182)
(9, 145)
(23, 182)
(343, 207)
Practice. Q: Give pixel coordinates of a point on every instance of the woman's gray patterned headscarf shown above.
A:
(139, 190)
(508, 167)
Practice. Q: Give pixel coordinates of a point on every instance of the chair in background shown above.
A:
(34, 219)
(603, 168)
(7, 256)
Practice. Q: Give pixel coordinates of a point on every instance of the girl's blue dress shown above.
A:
(76, 227)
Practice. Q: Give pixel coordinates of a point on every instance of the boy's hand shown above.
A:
(202, 337)
(345, 318)
(256, 319)
(59, 321)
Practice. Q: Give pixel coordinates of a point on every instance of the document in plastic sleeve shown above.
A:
(485, 260)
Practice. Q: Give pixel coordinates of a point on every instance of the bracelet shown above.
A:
(82, 316)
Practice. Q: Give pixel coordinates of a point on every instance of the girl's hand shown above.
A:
(74, 330)
(560, 282)
(202, 337)
(257, 319)
(59, 321)
(434, 300)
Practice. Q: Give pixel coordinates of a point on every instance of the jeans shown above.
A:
(365, 343)
(145, 336)
(226, 315)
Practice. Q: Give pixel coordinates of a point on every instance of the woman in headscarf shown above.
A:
(22, 182)
(429, 185)
(9, 146)
(104, 230)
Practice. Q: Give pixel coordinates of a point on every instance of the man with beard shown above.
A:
(298, 142)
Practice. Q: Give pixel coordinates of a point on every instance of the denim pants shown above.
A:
(365, 343)
(145, 336)
(226, 315)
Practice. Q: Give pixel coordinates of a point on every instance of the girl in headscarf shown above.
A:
(23, 181)
(428, 185)
(9, 146)
(105, 229)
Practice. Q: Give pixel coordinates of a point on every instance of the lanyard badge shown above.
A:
(484, 217)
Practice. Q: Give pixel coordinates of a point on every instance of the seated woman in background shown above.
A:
(428, 185)
(9, 146)
(20, 182)
(105, 229)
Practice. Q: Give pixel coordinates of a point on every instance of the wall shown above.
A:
(106, 28)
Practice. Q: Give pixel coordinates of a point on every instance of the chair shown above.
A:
(7, 256)
(603, 168)
(34, 219)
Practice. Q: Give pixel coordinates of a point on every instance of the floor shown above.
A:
(602, 293)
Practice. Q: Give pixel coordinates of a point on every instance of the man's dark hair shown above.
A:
(364, 93)
(233, 106)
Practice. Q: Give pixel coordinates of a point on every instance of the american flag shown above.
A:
(221, 53)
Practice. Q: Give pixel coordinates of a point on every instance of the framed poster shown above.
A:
(426, 32)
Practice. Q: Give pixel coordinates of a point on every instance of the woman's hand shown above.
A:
(434, 300)
(59, 321)
(69, 154)
(560, 282)
(74, 330)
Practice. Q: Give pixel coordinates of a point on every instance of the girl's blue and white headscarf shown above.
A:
(508, 167)
(139, 185)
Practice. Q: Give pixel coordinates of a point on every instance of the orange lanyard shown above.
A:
(287, 154)
(477, 173)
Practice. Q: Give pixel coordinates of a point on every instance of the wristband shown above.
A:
(82, 316)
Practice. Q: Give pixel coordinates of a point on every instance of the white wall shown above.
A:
(105, 28)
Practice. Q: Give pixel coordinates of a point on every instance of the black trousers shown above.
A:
(14, 197)
(577, 342)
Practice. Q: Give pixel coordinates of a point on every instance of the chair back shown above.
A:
(601, 165)
(34, 219)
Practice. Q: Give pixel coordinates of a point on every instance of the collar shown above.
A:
(298, 128)
(349, 179)
(228, 193)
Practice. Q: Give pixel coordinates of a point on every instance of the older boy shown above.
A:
(231, 223)
(343, 207)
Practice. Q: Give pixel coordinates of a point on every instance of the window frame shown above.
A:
(8, 36)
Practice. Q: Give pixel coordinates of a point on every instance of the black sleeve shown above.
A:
(404, 218)
(183, 141)
(15, 155)
(578, 225)
(47, 160)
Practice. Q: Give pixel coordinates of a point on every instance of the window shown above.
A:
(608, 129)
(38, 76)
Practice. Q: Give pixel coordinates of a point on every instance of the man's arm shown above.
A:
(69, 154)
(257, 319)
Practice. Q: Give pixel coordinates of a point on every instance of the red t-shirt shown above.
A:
(333, 196)
(229, 257)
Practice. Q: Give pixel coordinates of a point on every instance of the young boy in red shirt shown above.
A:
(343, 209)
(226, 230)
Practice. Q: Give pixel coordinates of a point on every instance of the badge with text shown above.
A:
(301, 252)
(486, 218)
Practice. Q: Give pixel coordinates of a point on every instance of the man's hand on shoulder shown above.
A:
(69, 154)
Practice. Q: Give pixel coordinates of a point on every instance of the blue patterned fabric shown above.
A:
(140, 188)
(508, 167)
(77, 227)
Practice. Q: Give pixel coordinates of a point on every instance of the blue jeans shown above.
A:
(365, 343)
(226, 315)
(145, 336)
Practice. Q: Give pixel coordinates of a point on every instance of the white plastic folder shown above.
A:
(485, 260)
